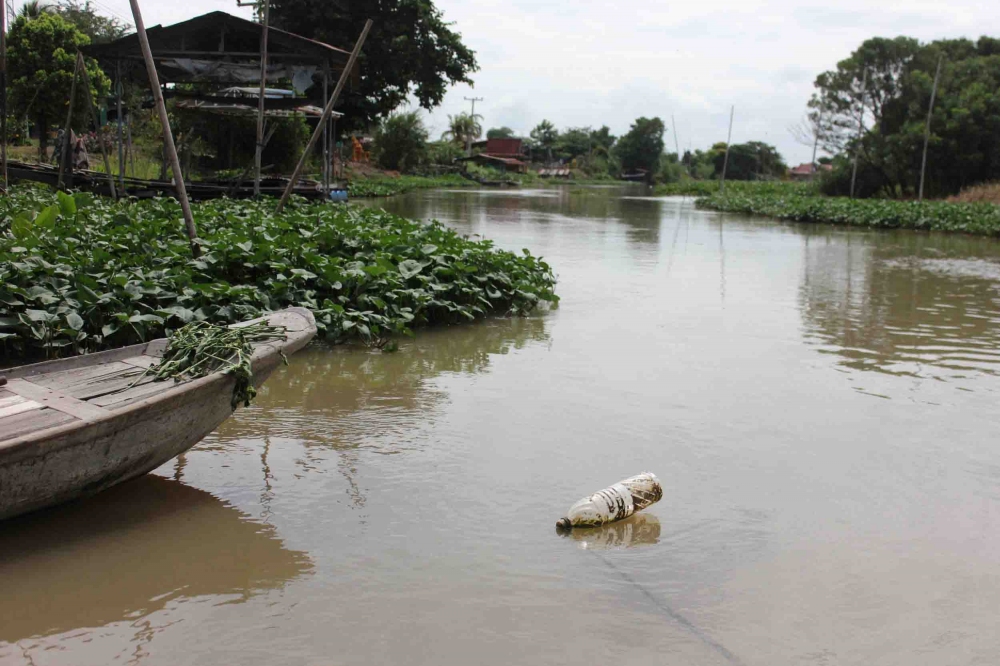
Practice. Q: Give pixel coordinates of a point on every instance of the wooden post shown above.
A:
(326, 115)
(259, 148)
(729, 140)
(677, 144)
(326, 132)
(861, 126)
(927, 130)
(3, 93)
(168, 137)
(121, 136)
(97, 123)
(64, 157)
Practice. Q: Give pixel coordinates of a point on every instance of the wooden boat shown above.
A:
(73, 427)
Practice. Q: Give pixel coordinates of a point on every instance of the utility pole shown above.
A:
(468, 138)
(259, 148)
(927, 130)
(729, 140)
(861, 126)
(816, 130)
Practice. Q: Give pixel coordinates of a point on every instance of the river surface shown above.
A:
(820, 403)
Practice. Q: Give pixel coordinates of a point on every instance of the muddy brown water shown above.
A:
(820, 404)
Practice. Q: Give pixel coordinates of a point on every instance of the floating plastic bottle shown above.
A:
(614, 503)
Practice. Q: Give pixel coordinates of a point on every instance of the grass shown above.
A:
(387, 186)
(708, 188)
(972, 218)
(987, 192)
(80, 273)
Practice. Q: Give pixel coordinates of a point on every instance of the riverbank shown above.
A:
(82, 273)
(707, 188)
(971, 218)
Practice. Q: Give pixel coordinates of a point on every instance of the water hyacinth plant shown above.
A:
(79, 273)
(970, 218)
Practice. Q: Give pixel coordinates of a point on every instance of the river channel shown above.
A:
(820, 403)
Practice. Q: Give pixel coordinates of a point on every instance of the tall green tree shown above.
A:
(642, 146)
(98, 28)
(41, 57)
(603, 140)
(753, 160)
(545, 135)
(500, 133)
(574, 142)
(400, 142)
(463, 128)
(411, 51)
(965, 127)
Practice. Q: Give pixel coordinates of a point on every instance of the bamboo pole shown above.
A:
(326, 115)
(729, 140)
(121, 131)
(3, 94)
(64, 157)
(259, 148)
(677, 144)
(168, 137)
(927, 130)
(97, 124)
(861, 126)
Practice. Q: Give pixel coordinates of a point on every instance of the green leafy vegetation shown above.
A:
(199, 349)
(970, 218)
(412, 52)
(899, 74)
(707, 188)
(400, 142)
(41, 58)
(386, 186)
(80, 273)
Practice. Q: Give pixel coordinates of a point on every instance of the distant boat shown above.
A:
(639, 176)
(74, 427)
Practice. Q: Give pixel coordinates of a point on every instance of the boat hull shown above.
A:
(80, 459)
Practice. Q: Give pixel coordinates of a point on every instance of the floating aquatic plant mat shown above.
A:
(80, 273)
(199, 349)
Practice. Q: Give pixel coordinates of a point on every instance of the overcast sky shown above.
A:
(594, 62)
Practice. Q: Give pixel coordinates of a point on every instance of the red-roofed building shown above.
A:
(807, 171)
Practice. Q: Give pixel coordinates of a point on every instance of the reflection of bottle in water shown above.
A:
(642, 529)
(614, 503)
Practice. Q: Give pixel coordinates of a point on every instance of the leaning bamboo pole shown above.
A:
(927, 129)
(65, 148)
(729, 140)
(326, 115)
(82, 66)
(861, 128)
(168, 137)
(3, 94)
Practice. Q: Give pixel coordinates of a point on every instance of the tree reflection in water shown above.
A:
(906, 304)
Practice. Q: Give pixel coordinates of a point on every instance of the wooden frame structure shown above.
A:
(220, 48)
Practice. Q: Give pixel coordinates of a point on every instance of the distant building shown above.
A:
(807, 171)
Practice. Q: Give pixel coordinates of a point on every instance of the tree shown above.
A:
(41, 57)
(749, 161)
(574, 142)
(400, 142)
(33, 9)
(603, 140)
(411, 51)
(642, 146)
(965, 127)
(100, 29)
(545, 136)
(500, 133)
(463, 128)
